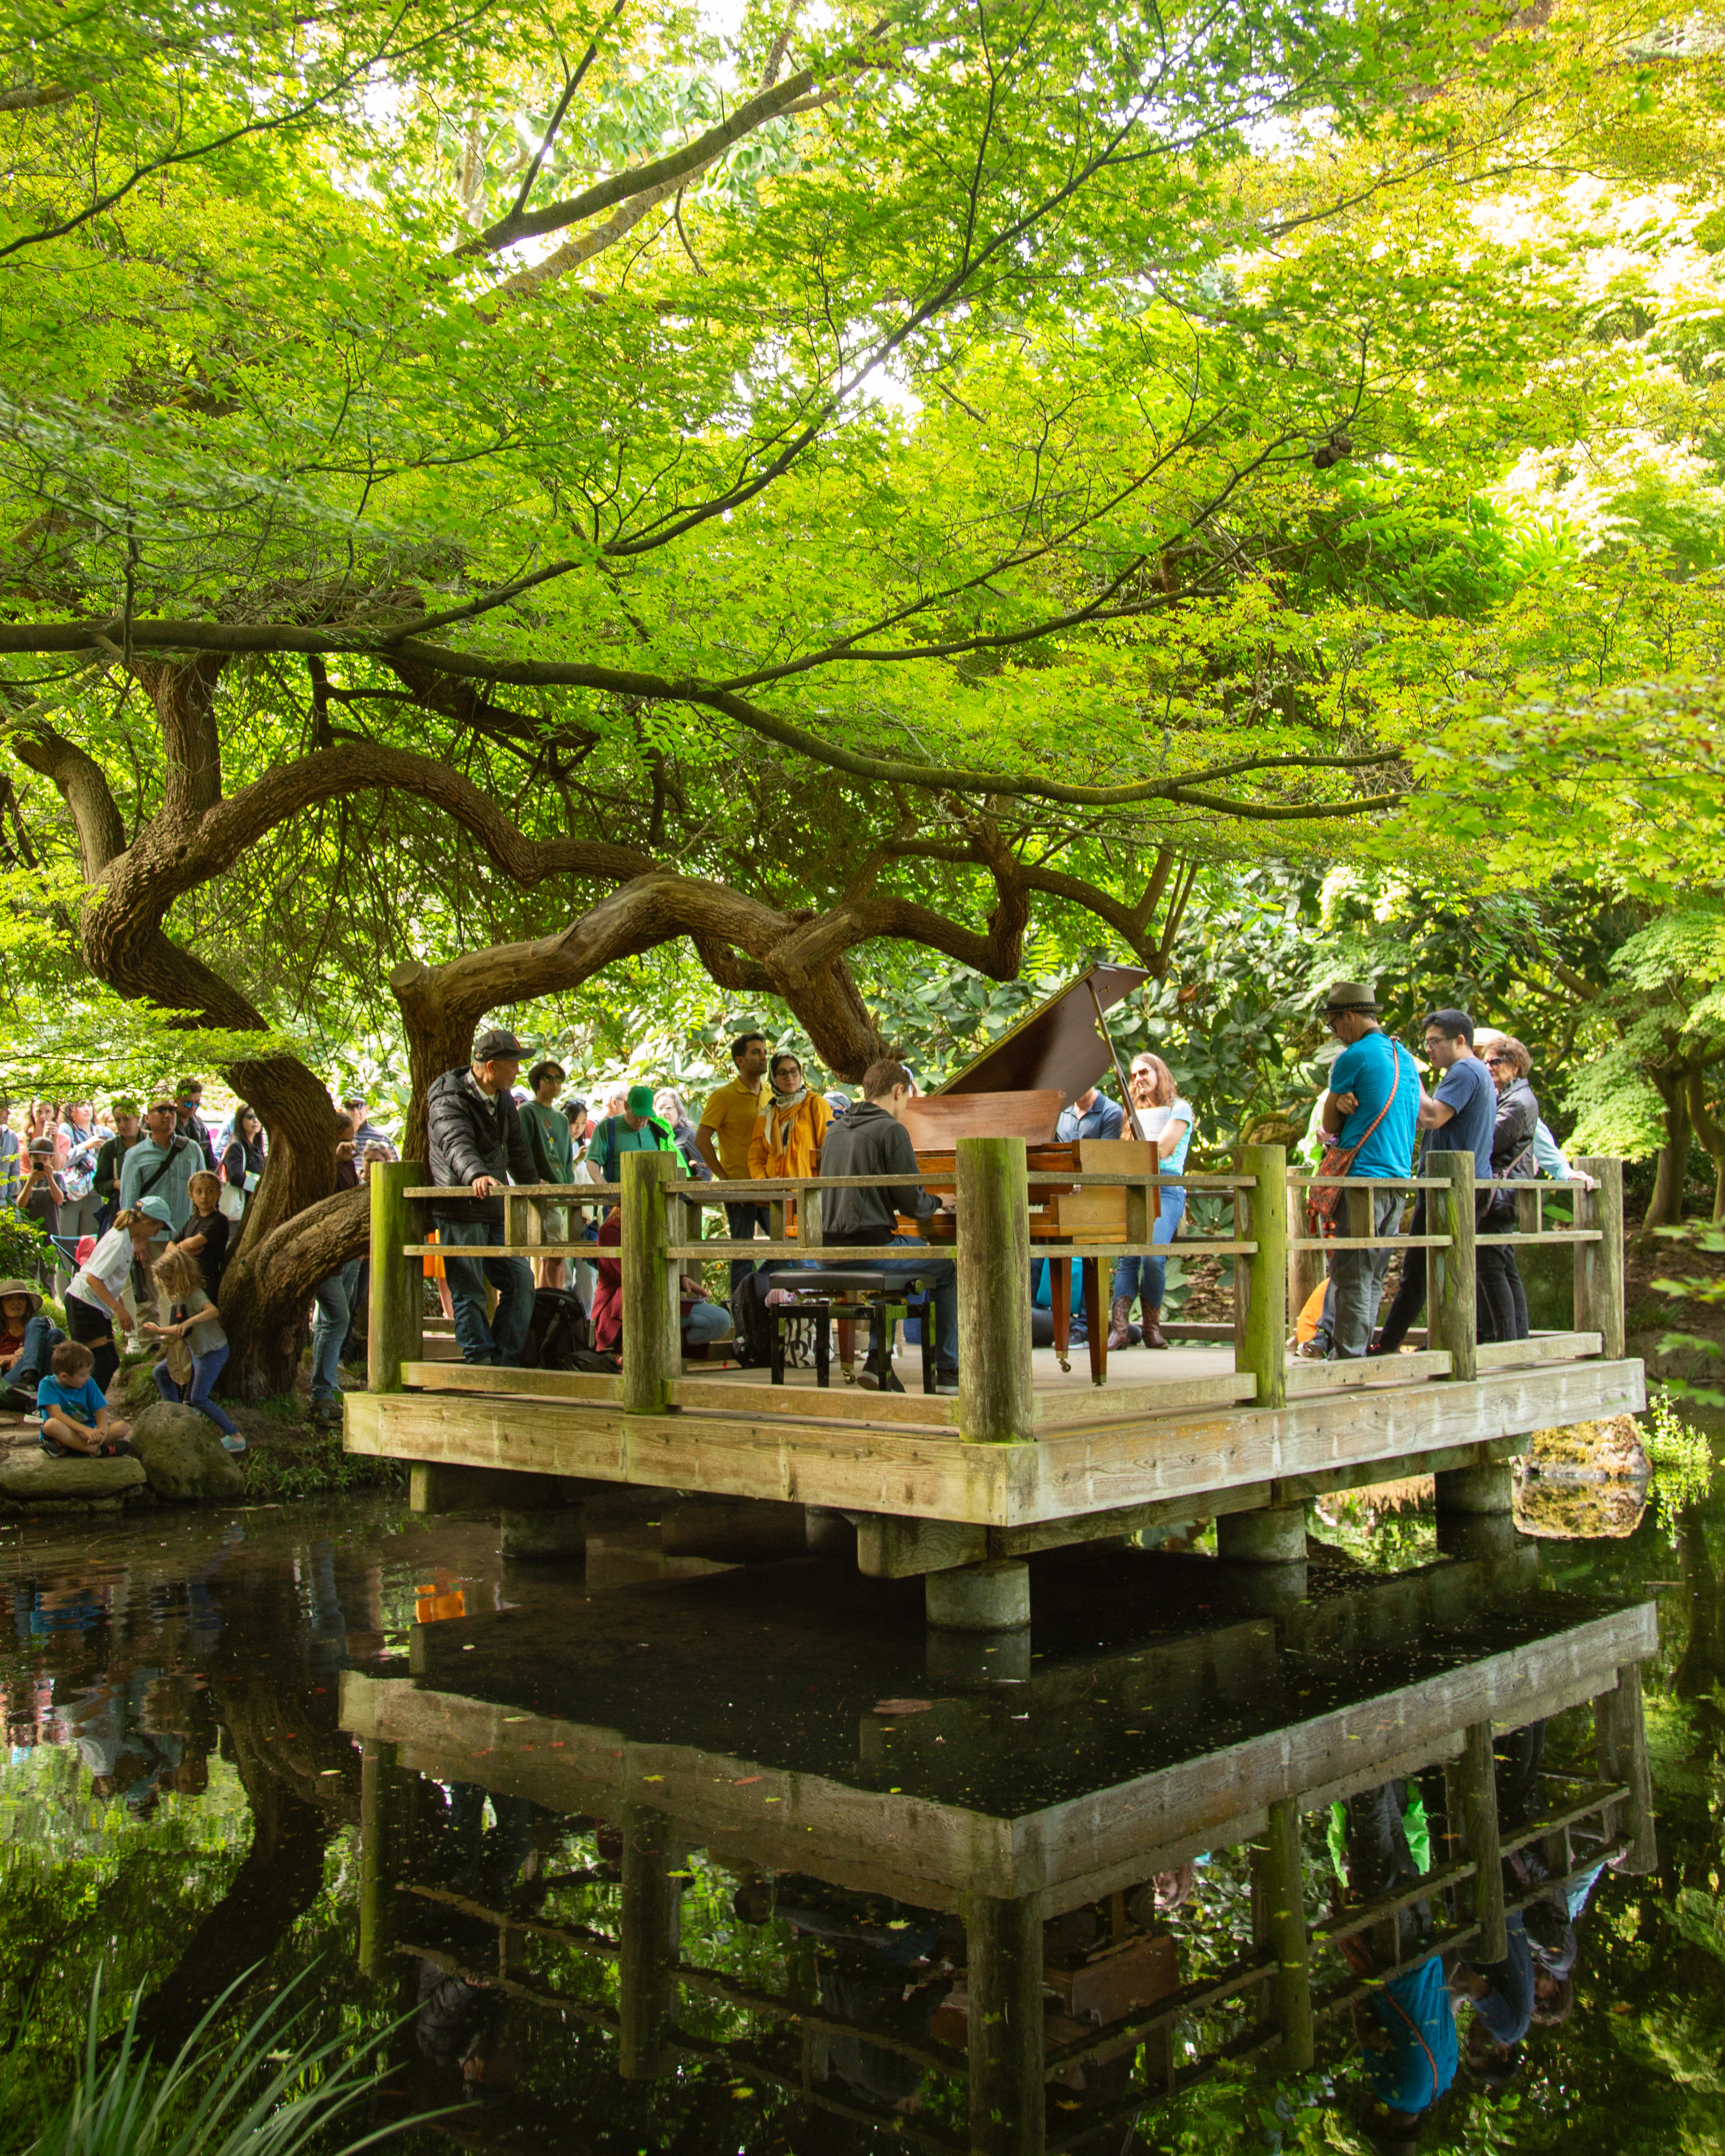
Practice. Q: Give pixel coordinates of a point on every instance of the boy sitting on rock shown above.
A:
(74, 1415)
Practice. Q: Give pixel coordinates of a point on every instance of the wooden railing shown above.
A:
(992, 1251)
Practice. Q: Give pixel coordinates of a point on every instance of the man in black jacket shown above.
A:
(872, 1140)
(476, 1138)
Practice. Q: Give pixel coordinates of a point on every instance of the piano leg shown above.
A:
(1093, 1320)
(1059, 1307)
(847, 1348)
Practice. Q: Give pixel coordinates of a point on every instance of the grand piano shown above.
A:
(1017, 1088)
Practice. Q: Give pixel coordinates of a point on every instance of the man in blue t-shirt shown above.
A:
(1374, 1098)
(1461, 1117)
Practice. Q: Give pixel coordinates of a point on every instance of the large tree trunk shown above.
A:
(1710, 1131)
(1666, 1208)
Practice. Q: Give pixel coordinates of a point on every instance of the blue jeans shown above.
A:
(42, 1336)
(335, 1313)
(940, 1277)
(205, 1370)
(743, 1220)
(704, 1321)
(499, 1339)
(1147, 1278)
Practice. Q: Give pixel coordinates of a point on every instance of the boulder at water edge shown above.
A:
(183, 1456)
(32, 1478)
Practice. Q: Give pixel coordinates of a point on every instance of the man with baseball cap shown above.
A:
(475, 1138)
(1374, 1100)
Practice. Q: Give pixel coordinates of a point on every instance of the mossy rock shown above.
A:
(34, 1479)
(183, 1456)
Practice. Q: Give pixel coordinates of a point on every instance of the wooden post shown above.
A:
(1279, 1921)
(523, 1220)
(1003, 1977)
(396, 1325)
(1306, 1268)
(1261, 1326)
(811, 1233)
(649, 1918)
(1598, 1266)
(1620, 1743)
(387, 1797)
(1470, 1804)
(652, 1346)
(1450, 1315)
(994, 1256)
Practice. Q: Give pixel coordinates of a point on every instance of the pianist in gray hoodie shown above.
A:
(872, 1140)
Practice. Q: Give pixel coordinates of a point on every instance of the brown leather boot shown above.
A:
(1154, 1336)
(1120, 1322)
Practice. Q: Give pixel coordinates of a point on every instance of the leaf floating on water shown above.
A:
(904, 1705)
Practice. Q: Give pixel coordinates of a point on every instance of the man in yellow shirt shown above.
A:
(727, 1123)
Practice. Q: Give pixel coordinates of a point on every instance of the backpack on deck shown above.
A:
(558, 1333)
(754, 1343)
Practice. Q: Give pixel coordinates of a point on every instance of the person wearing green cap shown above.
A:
(109, 1159)
(638, 1129)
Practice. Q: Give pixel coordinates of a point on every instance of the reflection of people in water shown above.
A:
(1406, 2025)
(142, 1734)
(884, 1965)
(459, 2023)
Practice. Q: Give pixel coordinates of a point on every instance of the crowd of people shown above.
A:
(137, 1204)
(1375, 1117)
(141, 1203)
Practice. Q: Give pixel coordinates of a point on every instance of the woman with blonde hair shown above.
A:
(194, 1329)
(1166, 1120)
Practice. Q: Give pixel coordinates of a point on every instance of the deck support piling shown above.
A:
(979, 1598)
(1477, 1492)
(553, 1531)
(1273, 1535)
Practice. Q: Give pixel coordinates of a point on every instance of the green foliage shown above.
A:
(1681, 1456)
(273, 2091)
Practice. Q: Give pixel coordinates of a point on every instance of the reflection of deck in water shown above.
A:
(734, 1714)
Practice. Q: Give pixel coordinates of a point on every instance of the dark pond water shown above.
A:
(708, 1846)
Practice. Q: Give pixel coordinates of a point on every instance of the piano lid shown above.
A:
(1059, 1045)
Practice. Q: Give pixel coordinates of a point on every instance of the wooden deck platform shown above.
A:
(1025, 1455)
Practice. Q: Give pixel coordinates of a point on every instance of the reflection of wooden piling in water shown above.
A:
(649, 1944)
(1004, 1977)
(1279, 1914)
(388, 1798)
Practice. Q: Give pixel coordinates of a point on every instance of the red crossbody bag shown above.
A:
(1324, 1203)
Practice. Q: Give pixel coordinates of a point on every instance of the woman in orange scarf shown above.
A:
(790, 1129)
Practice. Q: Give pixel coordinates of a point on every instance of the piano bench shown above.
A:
(850, 1295)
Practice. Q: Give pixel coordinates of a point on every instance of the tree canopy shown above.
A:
(489, 492)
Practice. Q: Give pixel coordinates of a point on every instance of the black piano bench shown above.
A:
(855, 1293)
